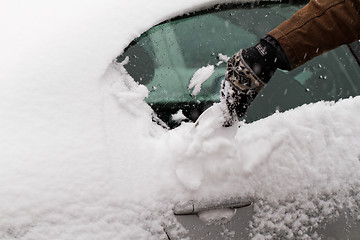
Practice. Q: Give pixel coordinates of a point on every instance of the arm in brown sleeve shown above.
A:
(320, 26)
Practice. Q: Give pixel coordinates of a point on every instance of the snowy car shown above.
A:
(82, 158)
(168, 56)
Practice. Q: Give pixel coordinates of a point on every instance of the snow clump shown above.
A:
(199, 77)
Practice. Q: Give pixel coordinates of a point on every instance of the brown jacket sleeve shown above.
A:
(320, 26)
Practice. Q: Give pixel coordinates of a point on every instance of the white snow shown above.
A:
(179, 116)
(217, 216)
(223, 57)
(199, 77)
(81, 158)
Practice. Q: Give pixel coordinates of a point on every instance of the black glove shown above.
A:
(248, 71)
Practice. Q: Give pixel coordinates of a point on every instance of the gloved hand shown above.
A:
(240, 87)
(248, 71)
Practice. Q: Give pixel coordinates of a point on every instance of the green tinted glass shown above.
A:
(166, 57)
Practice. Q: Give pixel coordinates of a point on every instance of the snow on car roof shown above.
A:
(80, 157)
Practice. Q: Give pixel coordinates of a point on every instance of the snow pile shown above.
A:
(303, 164)
(217, 216)
(77, 140)
(179, 116)
(199, 77)
(192, 148)
(223, 58)
(81, 158)
(306, 146)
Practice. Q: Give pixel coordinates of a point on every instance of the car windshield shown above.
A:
(165, 58)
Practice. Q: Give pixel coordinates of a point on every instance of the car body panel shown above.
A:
(174, 50)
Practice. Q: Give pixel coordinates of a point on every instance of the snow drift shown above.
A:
(81, 159)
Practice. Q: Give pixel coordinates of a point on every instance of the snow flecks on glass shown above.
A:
(199, 77)
(285, 92)
(223, 57)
